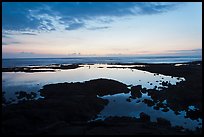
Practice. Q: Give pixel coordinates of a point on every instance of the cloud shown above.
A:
(186, 52)
(98, 28)
(28, 33)
(50, 16)
(10, 42)
(5, 36)
(74, 26)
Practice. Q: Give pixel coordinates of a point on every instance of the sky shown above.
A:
(70, 29)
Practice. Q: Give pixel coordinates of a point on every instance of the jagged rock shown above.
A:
(148, 102)
(136, 91)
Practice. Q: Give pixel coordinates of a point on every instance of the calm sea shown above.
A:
(97, 60)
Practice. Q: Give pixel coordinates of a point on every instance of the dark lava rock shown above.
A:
(99, 87)
(148, 102)
(107, 86)
(136, 88)
(40, 68)
(73, 66)
(136, 91)
(144, 90)
(23, 94)
(154, 94)
(165, 110)
(193, 114)
(144, 117)
(184, 93)
(68, 102)
(161, 105)
(164, 83)
(163, 122)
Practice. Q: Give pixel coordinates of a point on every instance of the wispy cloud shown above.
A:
(10, 42)
(75, 26)
(98, 28)
(185, 52)
(28, 33)
(72, 15)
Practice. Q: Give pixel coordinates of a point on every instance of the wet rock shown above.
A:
(161, 105)
(136, 91)
(40, 68)
(165, 110)
(193, 114)
(144, 90)
(136, 88)
(163, 122)
(144, 117)
(107, 86)
(148, 102)
(164, 83)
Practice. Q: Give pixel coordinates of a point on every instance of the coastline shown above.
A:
(82, 103)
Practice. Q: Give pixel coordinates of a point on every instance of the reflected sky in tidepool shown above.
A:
(119, 106)
(32, 82)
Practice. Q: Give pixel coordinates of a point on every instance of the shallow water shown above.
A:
(32, 82)
(118, 106)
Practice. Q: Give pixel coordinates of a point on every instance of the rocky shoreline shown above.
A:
(49, 68)
(68, 107)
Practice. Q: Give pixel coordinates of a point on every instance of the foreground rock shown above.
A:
(186, 93)
(63, 103)
(144, 117)
(67, 109)
(163, 122)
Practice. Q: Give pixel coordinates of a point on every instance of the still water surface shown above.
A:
(117, 106)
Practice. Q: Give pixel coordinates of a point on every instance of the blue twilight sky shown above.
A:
(63, 29)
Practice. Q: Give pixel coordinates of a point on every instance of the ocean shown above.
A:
(19, 62)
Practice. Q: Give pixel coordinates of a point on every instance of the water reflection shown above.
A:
(119, 106)
(32, 82)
